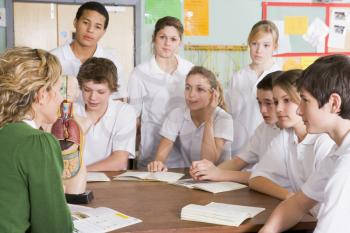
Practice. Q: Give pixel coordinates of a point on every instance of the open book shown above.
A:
(169, 177)
(99, 220)
(219, 213)
(96, 177)
(210, 186)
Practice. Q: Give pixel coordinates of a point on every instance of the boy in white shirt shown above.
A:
(110, 139)
(90, 23)
(325, 108)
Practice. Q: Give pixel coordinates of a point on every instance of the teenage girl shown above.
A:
(156, 87)
(203, 130)
(241, 93)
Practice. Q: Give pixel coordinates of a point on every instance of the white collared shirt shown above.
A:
(242, 105)
(289, 163)
(259, 142)
(115, 131)
(179, 128)
(154, 93)
(71, 65)
(31, 123)
(330, 185)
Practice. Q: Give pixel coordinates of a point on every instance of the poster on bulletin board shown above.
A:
(309, 30)
(196, 17)
(156, 9)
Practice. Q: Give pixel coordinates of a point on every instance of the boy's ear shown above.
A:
(335, 103)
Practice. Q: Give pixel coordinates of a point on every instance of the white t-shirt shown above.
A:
(294, 162)
(330, 185)
(242, 105)
(71, 65)
(259, 142)
(179, 126)
(115, 131)
(154, 93)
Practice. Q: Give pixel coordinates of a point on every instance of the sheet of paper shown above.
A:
(153, 176)
(338, 27)
(316, 34)
(96, 177)
(196, 17)
(210, 186)
(295, 25)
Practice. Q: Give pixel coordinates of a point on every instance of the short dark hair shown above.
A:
(94, 6)
(266, 82)
(328, 75)
(98, 70)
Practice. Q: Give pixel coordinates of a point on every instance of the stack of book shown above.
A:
(219, 213)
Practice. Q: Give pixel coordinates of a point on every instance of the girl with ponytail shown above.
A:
(201, 130)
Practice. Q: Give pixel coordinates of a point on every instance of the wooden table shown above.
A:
(159, 205)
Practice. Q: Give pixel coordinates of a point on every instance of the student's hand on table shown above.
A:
(204, 170)
(157, 166)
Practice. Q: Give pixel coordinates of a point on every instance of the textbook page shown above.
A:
(169, 177)
(219, 213)
(97, 177)
(99, 220)
(210, 186)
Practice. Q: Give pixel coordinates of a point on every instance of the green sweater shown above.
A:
(31, 190)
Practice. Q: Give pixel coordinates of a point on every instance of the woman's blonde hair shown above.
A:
(263, 27)
(213, 81)
(23, 71)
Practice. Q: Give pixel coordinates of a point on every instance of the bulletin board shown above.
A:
(309, 30)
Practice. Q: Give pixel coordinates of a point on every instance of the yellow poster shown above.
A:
(290, 64)
(196, 15)
(295, 25)
(306, 61)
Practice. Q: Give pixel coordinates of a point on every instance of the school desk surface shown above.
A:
(159, 205)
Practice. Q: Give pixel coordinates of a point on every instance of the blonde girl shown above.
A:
(241, 92)
(156, 87)
(202, 130)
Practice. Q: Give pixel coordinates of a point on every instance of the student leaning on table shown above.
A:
(202, 130)
(325, 108)
(110, 139)
(230, 170)
(31, 196)
(289, 163)
(156, 87)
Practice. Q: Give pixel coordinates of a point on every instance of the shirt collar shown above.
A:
(69, 55)
(344, 147)
(155, 69)
(31, 123)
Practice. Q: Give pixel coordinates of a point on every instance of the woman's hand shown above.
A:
(157, 166)
(204, 170)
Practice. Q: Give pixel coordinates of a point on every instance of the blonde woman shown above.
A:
(32, 197)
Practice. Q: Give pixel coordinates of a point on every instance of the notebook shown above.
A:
(169, 177)
(210, 186)
(97, 177)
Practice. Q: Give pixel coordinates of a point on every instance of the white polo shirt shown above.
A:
(71, 65)
(154, 93)
(242, 105)
(295, 162)
(330, 185)
(179, 126)
(259, 142)
(115, 131)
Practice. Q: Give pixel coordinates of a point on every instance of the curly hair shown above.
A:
(23, 72)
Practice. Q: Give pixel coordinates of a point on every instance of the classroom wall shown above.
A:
(2, 31)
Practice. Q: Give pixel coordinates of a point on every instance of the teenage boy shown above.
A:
(325, 108)
(90, 23)
(110, 139)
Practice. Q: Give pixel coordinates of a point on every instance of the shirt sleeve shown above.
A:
(125, 133)
(172, 124)
(223, 126)
(136, 92)
(251, 152)
(43, 168)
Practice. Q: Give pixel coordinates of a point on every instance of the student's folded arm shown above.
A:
(288, 213)
(265, 185)
(211, 146)
(164, 148)
(235, 176)
(116, 161)
(235, 164)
